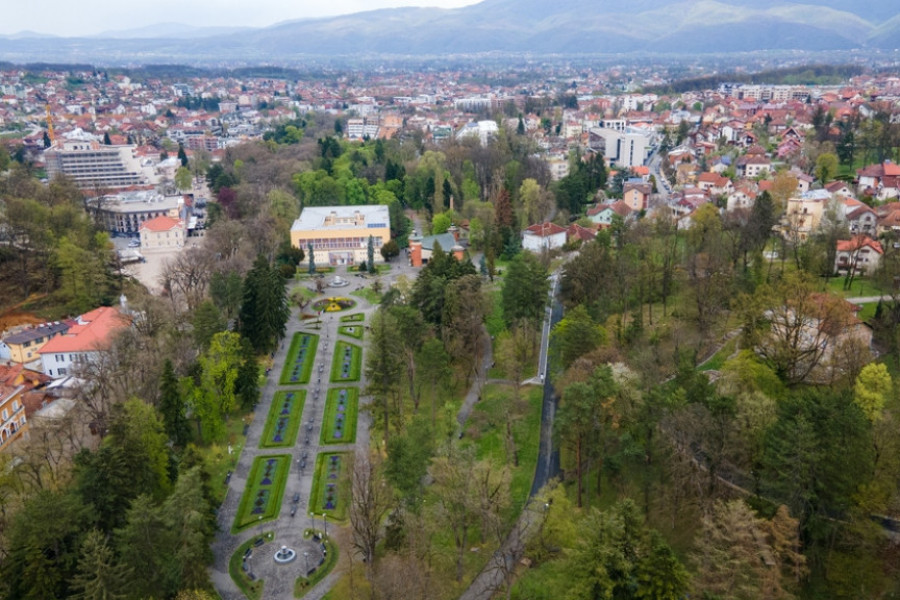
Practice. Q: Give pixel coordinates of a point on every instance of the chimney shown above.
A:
(415, 252)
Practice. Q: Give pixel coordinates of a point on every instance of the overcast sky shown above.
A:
(88, 17)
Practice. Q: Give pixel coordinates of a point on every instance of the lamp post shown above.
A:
(312, 522)
(259, 520)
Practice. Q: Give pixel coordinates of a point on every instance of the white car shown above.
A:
(134, 244)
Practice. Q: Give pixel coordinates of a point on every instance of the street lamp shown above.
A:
(259, 520)
(312, 522)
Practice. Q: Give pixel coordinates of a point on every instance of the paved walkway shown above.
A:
(279, 579)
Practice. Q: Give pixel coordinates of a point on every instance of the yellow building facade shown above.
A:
(339, 235)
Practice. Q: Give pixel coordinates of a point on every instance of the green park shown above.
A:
(262, 495)
(347, 363)
(330, 493)
(299, 362)
(283, 421)
(339, 424)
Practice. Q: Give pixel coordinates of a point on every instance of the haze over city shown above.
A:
(92, 17)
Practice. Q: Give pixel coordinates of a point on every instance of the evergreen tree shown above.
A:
(265, 309)
(185, 514)
(370, 252)
(247, 385)
(146, 542)
(182, 156)
(171, 406)
(98, 576)
(207, 322)
(312, 259)
(106, 140)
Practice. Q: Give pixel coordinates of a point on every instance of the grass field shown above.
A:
(354, 331)
(346, 434)
(219, 461)
(283, 421)
(299, 362)
(330, 493)
(262, 495)
(354, 318)
(860, 287)
(368, 294)
(349, 355)
(487, 428)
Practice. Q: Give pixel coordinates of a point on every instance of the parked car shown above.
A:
(134, 244)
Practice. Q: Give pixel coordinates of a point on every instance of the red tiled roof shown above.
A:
(857, 242)
(91, 332)
(546, 229)
(162, 224)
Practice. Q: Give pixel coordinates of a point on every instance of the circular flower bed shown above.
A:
(334, 304)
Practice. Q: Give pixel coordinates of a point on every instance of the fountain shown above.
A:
(285, 555)
(338, 281)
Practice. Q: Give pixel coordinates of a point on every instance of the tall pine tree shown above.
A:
(265, 310)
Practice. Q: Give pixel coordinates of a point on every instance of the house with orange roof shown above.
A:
(22, 346)
(715, 184)
(881, 181)
(860, 254)
(90, 333)
(543, 236)
(162, 232)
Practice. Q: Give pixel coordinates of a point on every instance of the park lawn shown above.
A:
(494, 319)
(302, 376)
(252, 589)
(867, 313)
(861, 287)
(354, 331)
(487, 428)
(354, 318)
(303, 291)
(303, 584)
(351, 410)
(288, 433)
(271, 502)
(369, 295)
(338, 362)
(317, 500)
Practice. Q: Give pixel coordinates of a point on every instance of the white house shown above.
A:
(543, 236)
(90, 334)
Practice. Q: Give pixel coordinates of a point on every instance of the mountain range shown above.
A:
(510, 26)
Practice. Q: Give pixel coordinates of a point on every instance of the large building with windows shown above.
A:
(339, 235)
(126, 212)
(93, 165)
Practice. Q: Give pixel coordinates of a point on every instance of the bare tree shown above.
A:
(186, 277)
(371, 499)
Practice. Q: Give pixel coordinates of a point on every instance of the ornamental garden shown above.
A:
(330, 493)
(341, 409)
(347, 363)
(283, 421)
(262, 495)
(300, 358)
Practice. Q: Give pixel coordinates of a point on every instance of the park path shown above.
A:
(279, 580)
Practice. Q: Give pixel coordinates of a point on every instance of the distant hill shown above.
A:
(168, 31)
(515, 26)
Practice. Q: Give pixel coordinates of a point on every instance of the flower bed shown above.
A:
(283, 421)
(262, 494)
(330, 492)
(341, 409)
(334, 304)
(355, 331)
(300, 358)
(354, 318)
(346, 364)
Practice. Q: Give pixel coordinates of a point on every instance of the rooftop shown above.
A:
(89, 333)
(343, 217)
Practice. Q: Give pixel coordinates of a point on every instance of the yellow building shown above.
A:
(23, 346)
(340, 234)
